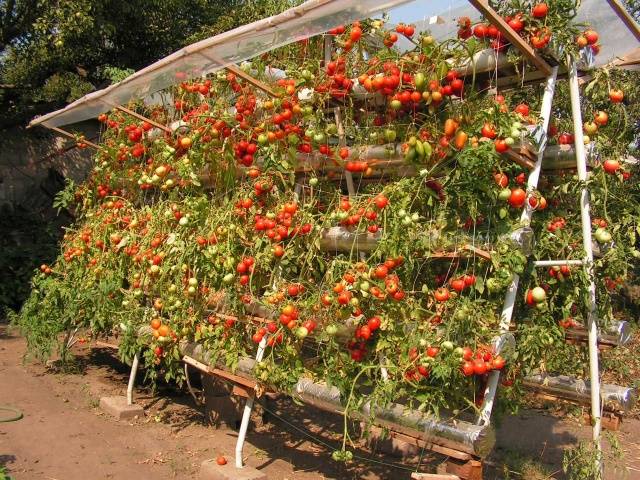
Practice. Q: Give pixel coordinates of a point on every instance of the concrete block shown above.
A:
(210, 470)
(117, 407)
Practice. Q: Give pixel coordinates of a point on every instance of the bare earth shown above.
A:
(65, 436)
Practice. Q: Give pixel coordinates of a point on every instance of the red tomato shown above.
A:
(517, 198)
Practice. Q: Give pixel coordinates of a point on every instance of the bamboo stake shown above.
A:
(483, 7)
(143, 118)
(72, 136)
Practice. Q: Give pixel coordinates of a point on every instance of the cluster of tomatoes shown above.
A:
(280, 226)
(481, 362)
(244, 152)
(350, 216)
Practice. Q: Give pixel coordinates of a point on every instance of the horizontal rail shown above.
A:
(556, 263)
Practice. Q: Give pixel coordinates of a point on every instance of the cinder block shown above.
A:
(117, 407)
(210, 470)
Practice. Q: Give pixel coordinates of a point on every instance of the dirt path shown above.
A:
(64, 436)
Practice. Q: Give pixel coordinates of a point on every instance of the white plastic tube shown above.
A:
(585, 215)
(132, 379)
(248, 407)
(510, 298)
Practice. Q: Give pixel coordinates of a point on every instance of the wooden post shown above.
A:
(511, 35)
(143, 118)
(72, 136)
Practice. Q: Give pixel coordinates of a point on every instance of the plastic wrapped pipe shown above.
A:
(614, 397)
(617, 333)
(457, 434)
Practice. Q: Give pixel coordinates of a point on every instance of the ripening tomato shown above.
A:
(540, 10)
(517, 198)
(467, 369)
(616, 96)
(441, 294)
(374, 323)
(479, 367)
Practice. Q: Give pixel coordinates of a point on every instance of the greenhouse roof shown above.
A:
(309, 19)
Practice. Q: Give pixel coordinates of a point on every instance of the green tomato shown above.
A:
(390, 135)
(331, 329)
(313, 181)
(504, 194)
(228, 278)
(447, 345)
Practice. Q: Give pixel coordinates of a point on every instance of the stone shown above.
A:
(210, 470)
(117, 407)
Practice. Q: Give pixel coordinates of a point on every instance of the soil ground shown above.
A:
(65, 436)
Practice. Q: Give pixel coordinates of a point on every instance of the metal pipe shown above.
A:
(248, 406)
(510, 298)
(132, 379)
(585, 215)
(554, 263)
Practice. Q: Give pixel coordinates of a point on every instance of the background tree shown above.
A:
(52, 52)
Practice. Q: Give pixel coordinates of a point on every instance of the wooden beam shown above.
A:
(72, 136)
(242, 381)
(143, 118)
(627, 19)
(511, 35)
(433, 476)
(249, 79)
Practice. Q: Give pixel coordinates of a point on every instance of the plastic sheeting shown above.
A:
(311, 18)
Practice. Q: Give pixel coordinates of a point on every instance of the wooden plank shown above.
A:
(72, 136)
(510, 34)
(249, 79)
(449, 452)
(433, 476)
(143, 118)
(241, 381)
(106, 345)
(470, 470)
(624, 15)
(609, 420)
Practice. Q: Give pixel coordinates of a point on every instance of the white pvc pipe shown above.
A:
(585, 215)
(248, 406)
(132, 379)
(510, 298)
(554, 263)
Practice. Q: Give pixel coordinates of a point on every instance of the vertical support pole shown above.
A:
(585, 215)
(132, 379)
(510, 297)
(248, 407)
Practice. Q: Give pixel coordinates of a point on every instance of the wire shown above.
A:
(17, 414)
(317, 440)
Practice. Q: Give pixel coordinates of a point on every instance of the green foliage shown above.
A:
(67, 86)
(26, 242)
(58, 51)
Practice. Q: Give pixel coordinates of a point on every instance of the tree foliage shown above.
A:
(55, 52)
